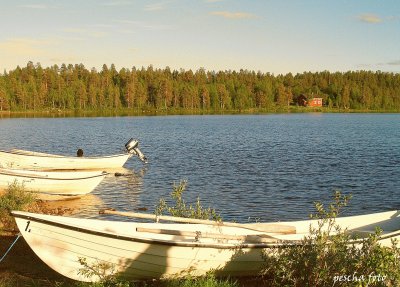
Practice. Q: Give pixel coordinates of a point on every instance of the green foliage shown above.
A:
(73, 87)
(103, 271)
(14, 198)
(206, 281)
(7, 282)
(329, 256)
(182, 209)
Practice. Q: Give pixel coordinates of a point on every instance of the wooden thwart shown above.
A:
(262, 227)
(262, 238)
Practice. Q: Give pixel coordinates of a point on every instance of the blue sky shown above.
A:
(275, 36)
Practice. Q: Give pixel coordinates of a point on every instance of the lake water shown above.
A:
(247, 167)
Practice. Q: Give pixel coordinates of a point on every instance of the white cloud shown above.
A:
(394, 63)
(86, 32)
(33, 6)
(25, 46)
(233, 15)
(155, 7)
(145, 26)
(117, 3)
(369, 18)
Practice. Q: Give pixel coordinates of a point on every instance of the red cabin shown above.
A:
(315, 102)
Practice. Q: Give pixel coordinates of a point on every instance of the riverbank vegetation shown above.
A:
(74, 88)
(15, 197)
(177, 206)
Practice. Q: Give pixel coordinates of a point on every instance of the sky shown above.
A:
(271, 36)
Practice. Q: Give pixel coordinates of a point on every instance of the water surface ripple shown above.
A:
(248, 167)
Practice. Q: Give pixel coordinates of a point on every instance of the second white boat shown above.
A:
(23, 159)
(74, 183)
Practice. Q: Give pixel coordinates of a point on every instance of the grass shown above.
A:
(206, 281)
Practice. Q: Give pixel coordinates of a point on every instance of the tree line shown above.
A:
(74, 87)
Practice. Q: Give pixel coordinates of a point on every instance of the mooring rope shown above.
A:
(9, 248)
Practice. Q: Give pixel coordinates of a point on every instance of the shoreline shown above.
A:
(180, 112)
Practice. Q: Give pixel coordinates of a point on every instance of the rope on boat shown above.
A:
(11, 246)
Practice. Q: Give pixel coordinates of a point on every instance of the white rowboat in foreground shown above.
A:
(160, 250)
(74, 183)
(23, 159)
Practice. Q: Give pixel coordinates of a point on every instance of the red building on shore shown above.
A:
(315, 102)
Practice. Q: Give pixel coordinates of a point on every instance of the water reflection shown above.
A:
(85, 206)
(122, 189)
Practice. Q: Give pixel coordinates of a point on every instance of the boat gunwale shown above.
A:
(16, 174)
(279, 243)
(55, 156)
(148, 241)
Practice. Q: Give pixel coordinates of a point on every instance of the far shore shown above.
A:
(56, 113)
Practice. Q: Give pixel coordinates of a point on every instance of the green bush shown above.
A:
(328, 256)
(14, 198)
(182, 209)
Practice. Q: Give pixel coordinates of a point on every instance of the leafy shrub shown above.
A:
(14, 198)
(104, 271)
(328, 256)
(182, 209)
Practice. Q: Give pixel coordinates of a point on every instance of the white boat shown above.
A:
(71, 183)
(160, 250)
(23, 159)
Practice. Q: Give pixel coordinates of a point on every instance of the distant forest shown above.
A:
(74, 87)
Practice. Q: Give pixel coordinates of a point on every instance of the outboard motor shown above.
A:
(132, 148)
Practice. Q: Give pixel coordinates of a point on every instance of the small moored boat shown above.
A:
(22, 159)
(72, 183)
(160, 250)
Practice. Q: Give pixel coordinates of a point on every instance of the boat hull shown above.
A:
(52, 183)
(62, 241)
(133, 256)
(20, 159)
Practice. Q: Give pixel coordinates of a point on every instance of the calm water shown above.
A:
(267, 167)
